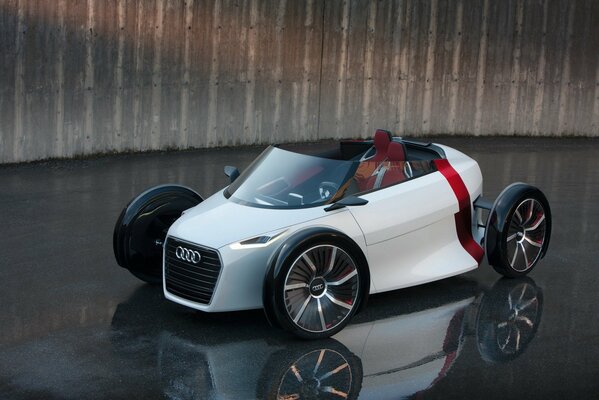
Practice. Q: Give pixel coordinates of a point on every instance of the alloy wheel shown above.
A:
(321, 288)
(526, 235)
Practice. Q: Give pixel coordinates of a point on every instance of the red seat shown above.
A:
(396, 151)
(391, 171)
(382, 139)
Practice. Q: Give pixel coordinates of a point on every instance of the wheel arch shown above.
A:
(125, 224)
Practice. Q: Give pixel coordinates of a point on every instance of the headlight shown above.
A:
(258, 241)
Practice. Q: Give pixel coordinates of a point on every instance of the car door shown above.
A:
(410, 233)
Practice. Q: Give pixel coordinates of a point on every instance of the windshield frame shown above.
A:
(258, 162)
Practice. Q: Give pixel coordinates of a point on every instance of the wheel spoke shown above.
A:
(507, 341)
(332, 390)
(333, 372)
(309, 262)
(529, 211)
(517, 339)
(512, 263)
(526, 320)
(338, 302)
(296, 286)
(320, 357)
(532, 242)
(528, 304)
(344, 279)
(522, 293)
(331, 262)
(512, 237)
(320, 313)
(525, 256)
(296, 373)
(536, 225)
(517, 214)
(302, 309)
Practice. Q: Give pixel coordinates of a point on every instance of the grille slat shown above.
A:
(208, 272)
(181, 275)
(195, 282)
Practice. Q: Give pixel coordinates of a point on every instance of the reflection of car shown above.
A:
(393, 350)
(309, 238)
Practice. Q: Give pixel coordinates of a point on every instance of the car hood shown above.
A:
(218, 221)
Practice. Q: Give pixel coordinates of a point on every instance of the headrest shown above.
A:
(382, 139)
(396, 152)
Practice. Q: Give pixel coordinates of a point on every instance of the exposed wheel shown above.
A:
(508, 319)
(318, 288)
(324, 371)
(518, 230)
(141, 228)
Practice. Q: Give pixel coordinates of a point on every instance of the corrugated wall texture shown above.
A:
(81, 77)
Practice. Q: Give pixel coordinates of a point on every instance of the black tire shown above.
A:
(515, 243)
(306, 294)
(318, 370)
(508, 319)
(141, 229)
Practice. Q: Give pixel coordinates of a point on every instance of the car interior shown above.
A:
(378, 163)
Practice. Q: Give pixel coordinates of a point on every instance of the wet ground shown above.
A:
(75, 325)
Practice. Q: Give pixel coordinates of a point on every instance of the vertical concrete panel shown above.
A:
(455, 67)
(156, 116)
(186, 75)
(19, 82)
(540, 75)
(481, 69)
(565, 84)
(429, 68)
(89, 81)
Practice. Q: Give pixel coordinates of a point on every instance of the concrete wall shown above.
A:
(80, 77)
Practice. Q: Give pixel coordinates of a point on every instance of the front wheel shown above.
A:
(319, 287)
(141, 228)
(518, 230)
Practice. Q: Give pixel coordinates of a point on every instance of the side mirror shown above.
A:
(231, 172)
(346, 202)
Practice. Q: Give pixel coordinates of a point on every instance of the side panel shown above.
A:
(421, 256)
(410, 228)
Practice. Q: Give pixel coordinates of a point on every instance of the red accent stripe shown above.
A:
(463, 218)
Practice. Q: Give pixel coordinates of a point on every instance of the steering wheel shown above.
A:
(326, 190)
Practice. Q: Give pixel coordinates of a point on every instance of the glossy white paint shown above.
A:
(239, 286)
(407, 233)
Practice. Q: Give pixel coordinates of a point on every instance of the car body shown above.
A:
(308, 238)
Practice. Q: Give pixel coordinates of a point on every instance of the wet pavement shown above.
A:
(75, 325)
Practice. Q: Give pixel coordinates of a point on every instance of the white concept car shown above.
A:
(308, 238)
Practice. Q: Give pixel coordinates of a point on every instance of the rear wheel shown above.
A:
(518, 230)
(141, 228)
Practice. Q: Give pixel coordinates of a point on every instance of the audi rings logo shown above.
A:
(188, 255)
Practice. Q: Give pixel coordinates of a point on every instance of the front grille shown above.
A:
(190, 281)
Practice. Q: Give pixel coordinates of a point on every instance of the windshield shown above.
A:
(283, 179)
